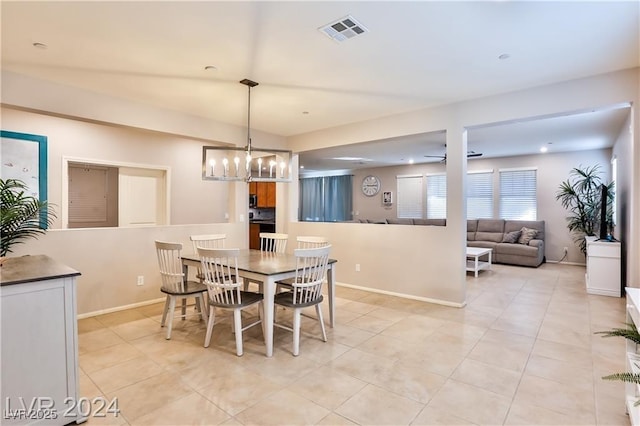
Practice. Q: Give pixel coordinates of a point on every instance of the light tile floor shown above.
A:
(523, 351)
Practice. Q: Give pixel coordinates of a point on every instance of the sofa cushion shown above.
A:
(526, 235)
(434, 222)
(495, 237)
(482, 244)
(516, 225)
(516, 249)
(400, 221)
(471, 236)
(511, 237)
(472, 225)
(490, 225)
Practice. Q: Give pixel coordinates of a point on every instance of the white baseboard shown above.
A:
(566, 263)
(121, 308)
(404, 296)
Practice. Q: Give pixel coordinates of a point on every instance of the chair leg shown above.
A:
(261, 316)
(203, 307)
(184, 308)
(212, 317)
(237, 320)
(319, 313)
(245, 283)
(166, 309)
(296, 331)
(172, 307)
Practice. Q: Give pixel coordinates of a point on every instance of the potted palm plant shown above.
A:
(580, 195)
(21, 216)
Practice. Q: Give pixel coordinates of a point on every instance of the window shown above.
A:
(437, 196)
(93, 196)
(409, 196)
(480, 195)
(326, 199)
(518, 195)
(109, 194)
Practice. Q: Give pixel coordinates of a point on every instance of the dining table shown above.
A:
(269, 268)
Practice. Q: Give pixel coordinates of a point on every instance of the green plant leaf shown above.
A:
(630, 333)
(20, 215)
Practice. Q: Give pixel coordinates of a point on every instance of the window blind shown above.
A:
(480, 195)
(518, 194)
(437, 196)
(409, 196)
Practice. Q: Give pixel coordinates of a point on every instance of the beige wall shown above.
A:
(430, 261)
(552, 170)
(576, 95)
(99, 142)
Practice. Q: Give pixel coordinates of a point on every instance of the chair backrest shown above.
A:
(220, 270)
(208, 241)
(170, 264)
(305, 242)
(273, 242)
(311, 267)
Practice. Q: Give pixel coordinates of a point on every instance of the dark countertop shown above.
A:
(263, 221)
(24, 269)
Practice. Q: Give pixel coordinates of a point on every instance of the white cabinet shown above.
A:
(603, 267)
(39, 352)
(632, 390)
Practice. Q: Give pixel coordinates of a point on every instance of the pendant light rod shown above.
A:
(249, 84)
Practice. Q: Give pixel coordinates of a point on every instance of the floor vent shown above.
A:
(343, 29)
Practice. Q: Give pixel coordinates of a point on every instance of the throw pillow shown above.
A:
(511, 237)
(527, 235)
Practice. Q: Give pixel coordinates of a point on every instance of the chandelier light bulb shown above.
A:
(272, 164)
(259, 167)
(225, 163)
(212, 163)
(282, 167)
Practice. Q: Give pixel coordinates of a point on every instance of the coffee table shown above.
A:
(473, 263)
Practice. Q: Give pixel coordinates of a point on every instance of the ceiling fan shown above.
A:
(443, 158)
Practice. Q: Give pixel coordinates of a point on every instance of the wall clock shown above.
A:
(370, 186)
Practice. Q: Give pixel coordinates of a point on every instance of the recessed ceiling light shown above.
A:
(305, 112)
(410, 160)
(504, 56)
(302, 167)
(39, 45)
(544, 149)
(211, 68)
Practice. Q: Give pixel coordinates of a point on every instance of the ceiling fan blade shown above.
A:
(436, 156)
(474, 154)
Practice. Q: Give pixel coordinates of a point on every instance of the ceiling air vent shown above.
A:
(343, 29)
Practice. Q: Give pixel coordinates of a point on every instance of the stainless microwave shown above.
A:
(253, 200)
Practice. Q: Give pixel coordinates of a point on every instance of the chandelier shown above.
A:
(248, 163)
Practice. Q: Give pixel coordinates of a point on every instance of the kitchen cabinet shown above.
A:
(254, 236)
(253, 188)
(39, 342)
(266, 192)
(603, 267)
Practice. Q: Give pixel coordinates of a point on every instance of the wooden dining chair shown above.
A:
(304, 242)
(220, 269)
(274, 242)
(270, 242)
(306, 290)
(176, 286)
(206, 241)
(311, 242)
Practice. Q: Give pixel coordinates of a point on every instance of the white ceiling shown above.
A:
(415, 55)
